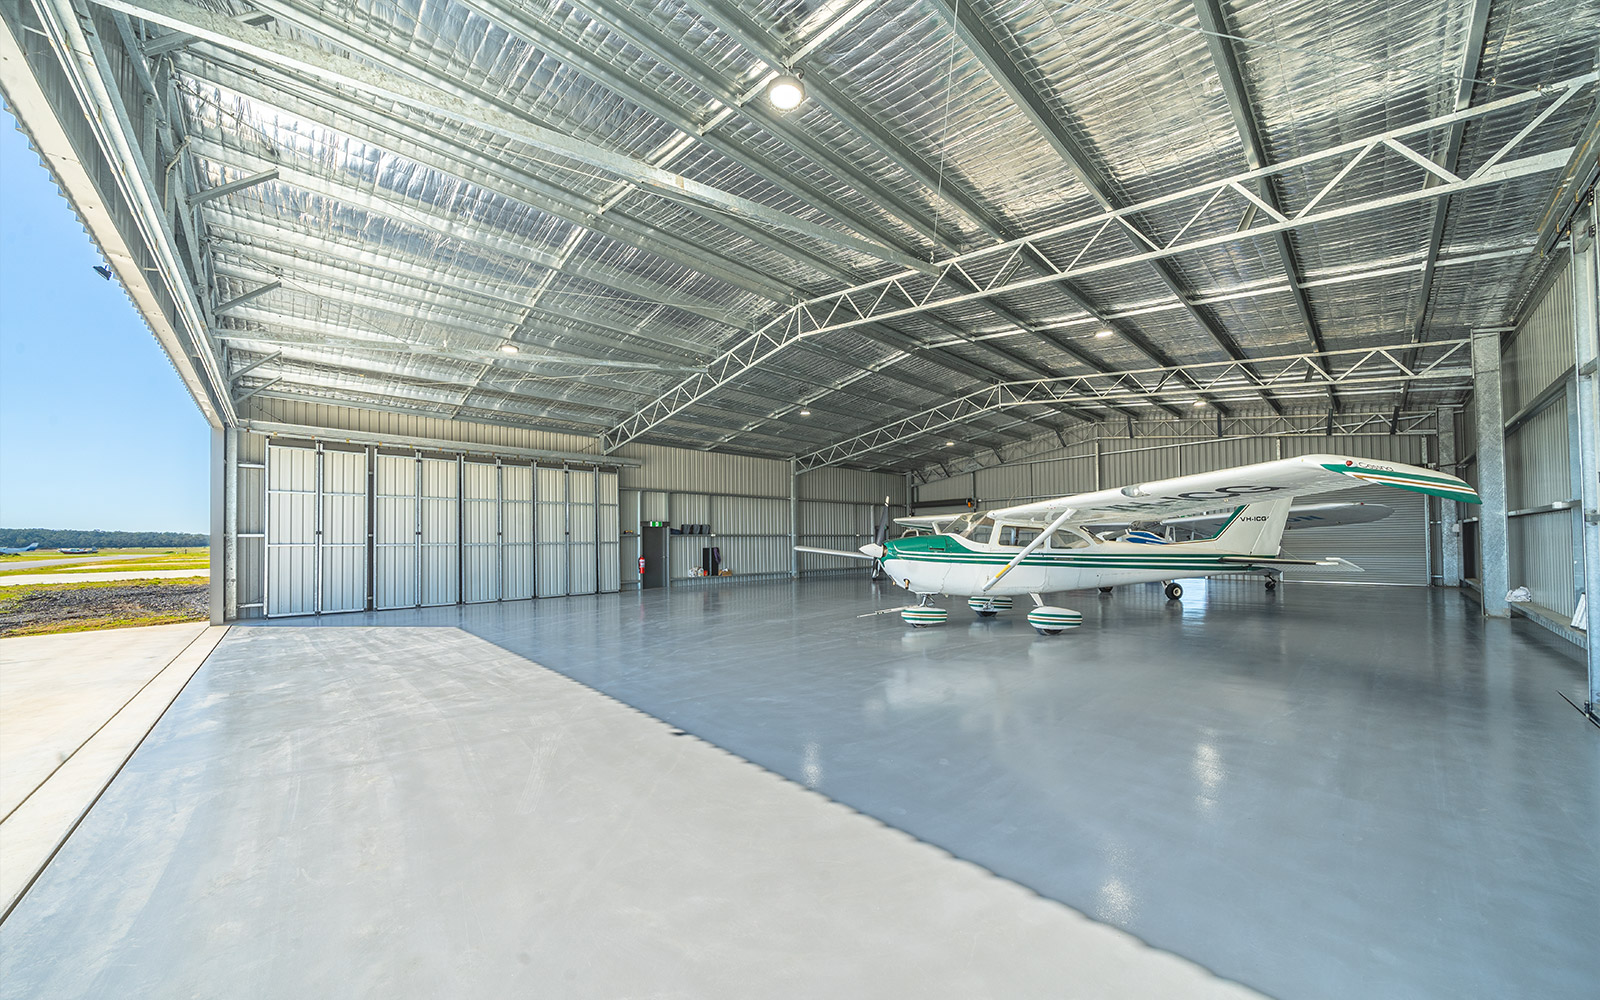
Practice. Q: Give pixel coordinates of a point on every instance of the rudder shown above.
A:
(1255, 529)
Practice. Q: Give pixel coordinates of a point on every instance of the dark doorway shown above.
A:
(653, 547)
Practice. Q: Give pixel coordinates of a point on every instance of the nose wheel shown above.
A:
(1174, 591)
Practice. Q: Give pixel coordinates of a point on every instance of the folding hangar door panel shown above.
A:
(582, 547)
(440, 527)
(608, 526)
(516, 532)
(291, 530)
(550, 532)
(397, 561)
(343, 586)
(316, 531)
(480, 525)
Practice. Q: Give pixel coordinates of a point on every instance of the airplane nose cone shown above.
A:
(875, 551)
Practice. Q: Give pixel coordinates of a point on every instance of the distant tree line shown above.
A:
(64, 538)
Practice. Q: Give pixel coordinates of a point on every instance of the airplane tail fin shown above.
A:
(1255, 529)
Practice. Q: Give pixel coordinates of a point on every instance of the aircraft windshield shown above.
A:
(959, 525)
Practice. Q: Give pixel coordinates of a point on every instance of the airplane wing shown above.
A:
(1208, 491)
(1301, 515)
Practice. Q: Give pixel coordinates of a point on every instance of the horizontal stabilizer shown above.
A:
(1344, 564)
(834, 552)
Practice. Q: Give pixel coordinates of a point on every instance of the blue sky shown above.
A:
(96, 429)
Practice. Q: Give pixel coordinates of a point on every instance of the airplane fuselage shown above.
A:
(950, 564)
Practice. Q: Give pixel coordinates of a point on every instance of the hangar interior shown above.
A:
(556, 327)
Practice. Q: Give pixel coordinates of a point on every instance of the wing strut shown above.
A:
(1027, 550)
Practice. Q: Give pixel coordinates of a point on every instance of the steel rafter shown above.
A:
(454, 103)
(1239, 426)
(1237, 93)
(730, 19)
(1471, 57)
(990, 269)
(1364, 370)
(968, 24)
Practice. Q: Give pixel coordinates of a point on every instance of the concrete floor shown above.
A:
(1327, 792)
(72, 709)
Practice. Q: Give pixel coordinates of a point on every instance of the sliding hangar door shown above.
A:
(354, 529)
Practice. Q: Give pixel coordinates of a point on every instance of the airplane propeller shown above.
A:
(876, 549)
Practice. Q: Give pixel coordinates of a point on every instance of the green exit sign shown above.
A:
(655, 524)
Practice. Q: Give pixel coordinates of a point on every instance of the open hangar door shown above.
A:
(445, 530)
(316, 530)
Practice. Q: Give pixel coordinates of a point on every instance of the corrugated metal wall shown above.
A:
(608, 523)
(401, 425)
(582, 524)
(1536, 372)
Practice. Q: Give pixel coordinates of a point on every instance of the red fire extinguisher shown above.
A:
(641, 565)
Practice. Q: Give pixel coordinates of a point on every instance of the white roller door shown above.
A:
(291, 531)
(1393, 550)
(440, 538)
(582, 542)
(343, 585)
(396, 559)
(480, 541)
(551, 533)
(608, 525)
(516, 526)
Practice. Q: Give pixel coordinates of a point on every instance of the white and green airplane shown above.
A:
(1046, 547)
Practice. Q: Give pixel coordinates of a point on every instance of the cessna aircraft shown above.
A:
(18, 552)
(1044, 547)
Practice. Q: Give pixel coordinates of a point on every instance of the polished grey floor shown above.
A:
(1326, 792)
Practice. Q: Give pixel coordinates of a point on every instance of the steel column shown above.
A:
(794, 518)
(221, 524)
(1449, 512)
(1586, 329)
(1494, 565)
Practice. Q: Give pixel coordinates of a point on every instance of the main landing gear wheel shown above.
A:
(1105, 590)
(1174, 591)
(1054, 621)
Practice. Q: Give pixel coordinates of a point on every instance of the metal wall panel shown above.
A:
(551, 532)
(1542, 350)
(1539, 459)
(608, 523)
(1064, 476)
(836, 484)
(654, 505)
(344, 531)
(516, 525)
(670, 469)
(395, 556)
(844, 526)
(439, 495)
(582, 541)
(1543, 559)
(367, 421)
(291, 564)
(480, 532)
(251, 503)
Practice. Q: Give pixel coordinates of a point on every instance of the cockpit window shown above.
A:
(1016, 535)
(959, 525)
(1065, 539)
(980, 531)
